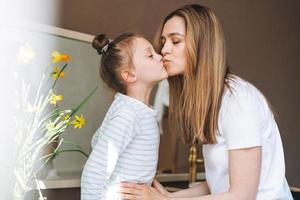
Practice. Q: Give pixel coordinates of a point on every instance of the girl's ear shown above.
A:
(128, 75)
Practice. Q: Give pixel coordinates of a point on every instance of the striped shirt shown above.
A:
(125, 148)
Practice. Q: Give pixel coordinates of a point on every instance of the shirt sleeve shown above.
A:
(114, 137)
(242, 119)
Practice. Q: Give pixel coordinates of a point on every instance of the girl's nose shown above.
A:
(159, 57)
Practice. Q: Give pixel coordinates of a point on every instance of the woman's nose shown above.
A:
(166, 49)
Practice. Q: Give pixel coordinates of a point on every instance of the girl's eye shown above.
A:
(176, 41)
(150, 56)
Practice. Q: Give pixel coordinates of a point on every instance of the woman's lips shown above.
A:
(166, 61)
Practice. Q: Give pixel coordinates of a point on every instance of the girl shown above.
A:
(125, 147)
(242, 148)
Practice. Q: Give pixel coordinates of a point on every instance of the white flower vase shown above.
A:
(48, 171)
(51, 173)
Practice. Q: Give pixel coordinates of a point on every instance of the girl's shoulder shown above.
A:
(121, 108)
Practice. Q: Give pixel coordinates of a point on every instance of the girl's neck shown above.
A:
(140, 93)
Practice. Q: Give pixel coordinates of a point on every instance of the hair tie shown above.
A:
(104, 49)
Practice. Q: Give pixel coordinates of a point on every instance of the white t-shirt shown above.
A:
(245, 120)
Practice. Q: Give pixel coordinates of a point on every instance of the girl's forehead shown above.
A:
(141, 44)
(142, 41)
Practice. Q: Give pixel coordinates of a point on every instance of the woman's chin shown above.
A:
(165, 74)
(163, 77)
(172, 71)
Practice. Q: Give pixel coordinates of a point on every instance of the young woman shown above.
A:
(125, 147)
(242, 148)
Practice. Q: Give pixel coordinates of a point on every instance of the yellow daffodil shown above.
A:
(50, 125)
(25, 55)
(57, 57)
(66, 117)
(78, 122)
(55, 98)
(55, 73)
(31, 109)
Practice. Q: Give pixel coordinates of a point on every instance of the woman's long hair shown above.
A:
(195, 97)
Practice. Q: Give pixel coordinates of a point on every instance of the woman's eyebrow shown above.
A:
(172, 34)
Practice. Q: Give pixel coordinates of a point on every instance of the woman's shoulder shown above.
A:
(243, 114)
(243, 95)
(239, 88)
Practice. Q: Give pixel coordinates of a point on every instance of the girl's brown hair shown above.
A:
(115, 55)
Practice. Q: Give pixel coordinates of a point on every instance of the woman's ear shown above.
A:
(128, 76)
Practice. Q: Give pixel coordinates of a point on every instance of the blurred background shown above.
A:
(263, 45)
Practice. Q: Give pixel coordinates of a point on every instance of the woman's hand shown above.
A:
(142, 191)
(160, 188)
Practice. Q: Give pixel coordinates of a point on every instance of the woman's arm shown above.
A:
(244, 173)
(196, 191)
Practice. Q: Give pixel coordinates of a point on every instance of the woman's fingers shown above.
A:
(130, 185)
(129, 191)
(159, 187)
(156, 184)
(133, 191)
(130, 197)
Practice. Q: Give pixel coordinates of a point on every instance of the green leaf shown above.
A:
(83, 102)
(70, 150)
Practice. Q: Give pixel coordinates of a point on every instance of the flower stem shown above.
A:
(70, 150)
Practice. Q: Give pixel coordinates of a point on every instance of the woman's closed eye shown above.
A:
(176, 41)
(173, 42)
